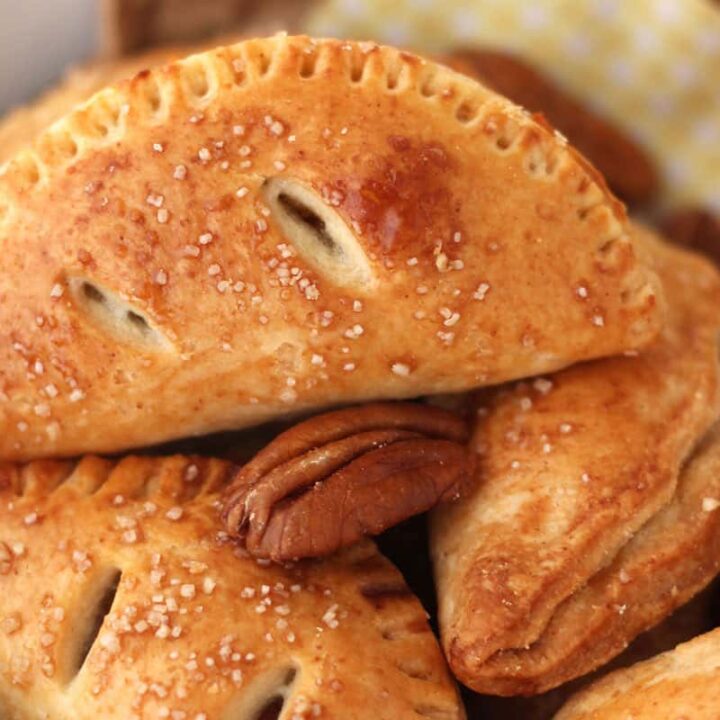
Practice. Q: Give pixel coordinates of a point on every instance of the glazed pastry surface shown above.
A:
(286, 224)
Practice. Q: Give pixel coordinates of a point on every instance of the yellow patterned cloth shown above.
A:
(653, 66)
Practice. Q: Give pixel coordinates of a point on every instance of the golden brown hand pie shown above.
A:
(120, 599)
(677, 685)
(570, 469)
(283, 224)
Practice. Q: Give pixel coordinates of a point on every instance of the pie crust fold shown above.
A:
(586, 526)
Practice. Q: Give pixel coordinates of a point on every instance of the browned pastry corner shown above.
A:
(694, 618)
(682, 683)
(586, 526)
(629, 170)
(120, 600)
(266, 228)
(696, 228)
(337, 477)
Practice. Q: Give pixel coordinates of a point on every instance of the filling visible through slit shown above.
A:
(114, 315)
(318, 233)
(272, 709)
(89, 617)
(304, 214)
(265, 698)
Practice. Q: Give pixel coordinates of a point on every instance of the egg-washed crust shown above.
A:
(196, 627)
(144, 271)
(681, 683)
(570, 469)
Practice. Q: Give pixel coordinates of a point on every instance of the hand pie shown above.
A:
(120, 600)
(284, 224)
(670, 559)
(570, 472)
(682, 683)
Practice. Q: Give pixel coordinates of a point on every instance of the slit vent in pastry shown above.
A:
(126, 557)
(88, 618)
(319, 234)
(110, 312)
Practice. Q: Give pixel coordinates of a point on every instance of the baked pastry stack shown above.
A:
(282, 225)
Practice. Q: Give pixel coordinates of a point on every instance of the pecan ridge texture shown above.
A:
(339, 476)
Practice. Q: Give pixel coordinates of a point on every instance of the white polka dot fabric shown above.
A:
(653, 66)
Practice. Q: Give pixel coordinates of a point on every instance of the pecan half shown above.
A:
(336, 477)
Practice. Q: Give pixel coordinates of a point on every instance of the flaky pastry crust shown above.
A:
(570, 469)
(284, 224)
(682, 683)
(194, 629)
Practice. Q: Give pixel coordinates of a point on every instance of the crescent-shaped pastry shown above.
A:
(570, 470)
(682, 683)
(120, 599)
(284, 224)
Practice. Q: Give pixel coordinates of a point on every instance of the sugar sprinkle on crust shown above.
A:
(189, 623)
(180, 289)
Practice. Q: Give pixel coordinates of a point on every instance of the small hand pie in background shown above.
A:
(120, 599)
(283, 224)
(682, 683)
(578, 537)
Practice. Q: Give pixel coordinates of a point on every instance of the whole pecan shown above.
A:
(336, 477)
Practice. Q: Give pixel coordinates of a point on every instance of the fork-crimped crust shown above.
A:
(287, 223)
